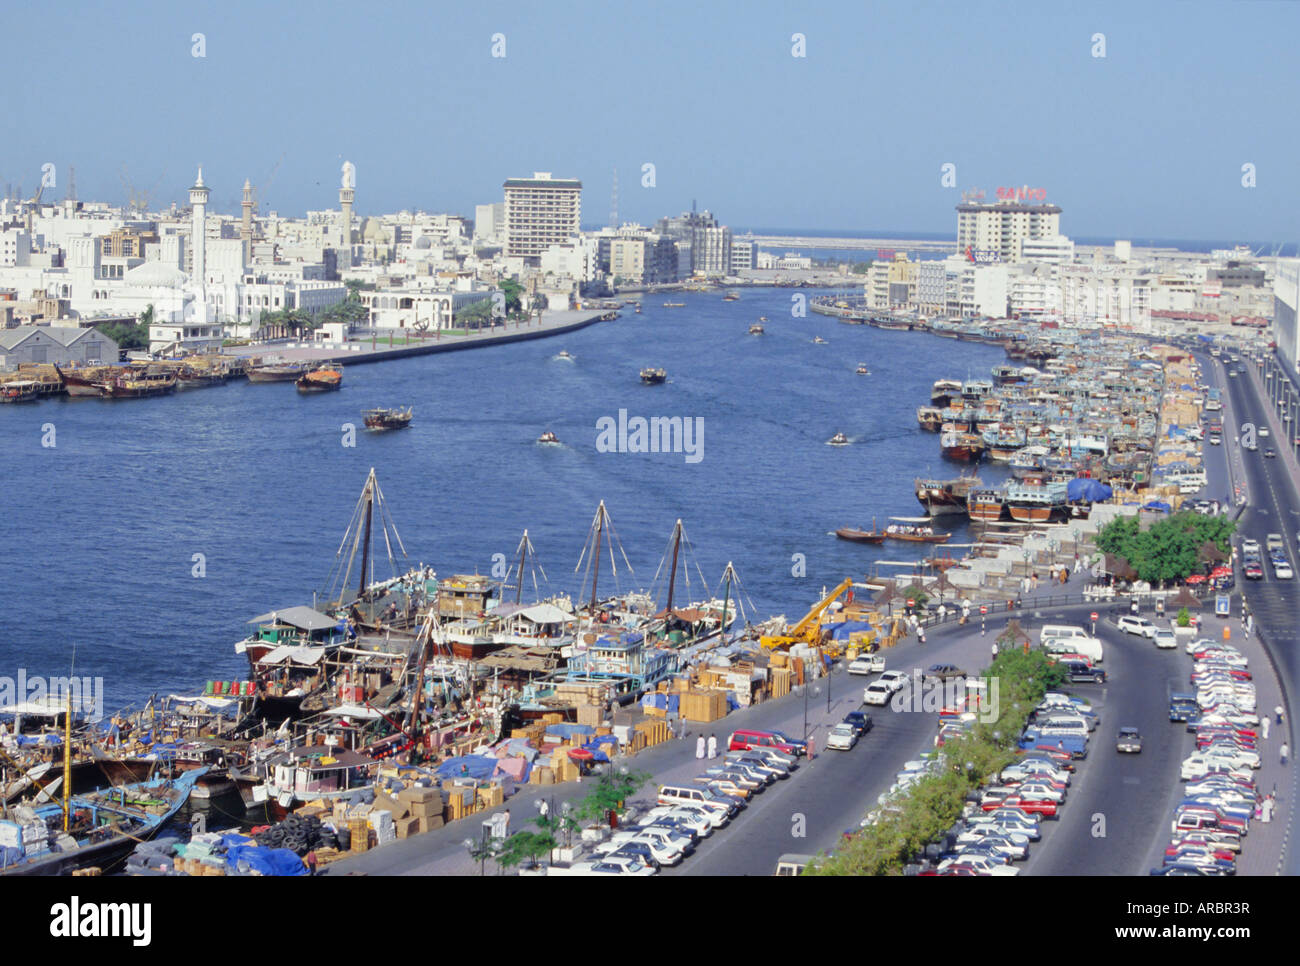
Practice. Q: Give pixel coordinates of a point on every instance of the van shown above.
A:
(1089, 647)
(1064, 725)
(1051, 631)
(745, 740)
(699, 797)
(792, 864)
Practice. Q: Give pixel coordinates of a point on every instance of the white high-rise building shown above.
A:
(990, 230)
(540, 211)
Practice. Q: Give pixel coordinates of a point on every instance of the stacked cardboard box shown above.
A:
(653, 732)
(704, 705)
(780, 681)
(591, 714)
(359, 829)
(490, 796)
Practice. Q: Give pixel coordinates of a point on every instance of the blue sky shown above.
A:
(1148, 141)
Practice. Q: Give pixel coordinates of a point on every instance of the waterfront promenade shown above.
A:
(401, 344)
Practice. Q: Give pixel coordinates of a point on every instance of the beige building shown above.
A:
(994, 229)
(541, 211)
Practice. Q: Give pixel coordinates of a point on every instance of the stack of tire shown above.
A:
(299, 834)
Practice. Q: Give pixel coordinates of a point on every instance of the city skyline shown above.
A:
(1148, 141)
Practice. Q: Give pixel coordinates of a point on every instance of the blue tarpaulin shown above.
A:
(1158, 505)
(655, 700)
(845, 628)
(266, 861)
(468, 766)
(567, 729)
(29, 741)
(1086, 488)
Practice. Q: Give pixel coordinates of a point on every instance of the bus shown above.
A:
(1212, 401)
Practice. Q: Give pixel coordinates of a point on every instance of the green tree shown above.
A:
(513, 292)
(525, 846)
(917, 593)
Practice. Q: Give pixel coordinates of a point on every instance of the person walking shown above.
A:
(995, 650)
(699, 747)
(713, 746)
(1286, 750)
(1266, 809)
(920, 635)
(1263, 724)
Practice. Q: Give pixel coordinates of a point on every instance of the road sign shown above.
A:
(911, 602)
(1222, 605)
(983, 609)
(1093, 615)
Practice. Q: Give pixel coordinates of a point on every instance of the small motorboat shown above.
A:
(674, 305)
(863, 370)
(818, 340)
(564, 354)
(548, 439)
(756, 329)
(652, 377)
(762, 318)
(839, 439)
(387, 418)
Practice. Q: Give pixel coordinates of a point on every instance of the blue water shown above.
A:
(102, 529)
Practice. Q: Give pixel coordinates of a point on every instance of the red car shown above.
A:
(1217, 851)
(1061, 759)
(1039, 806)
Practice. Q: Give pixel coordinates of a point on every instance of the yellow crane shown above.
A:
(808, 630)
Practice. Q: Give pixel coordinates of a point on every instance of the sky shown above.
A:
(1147, 141)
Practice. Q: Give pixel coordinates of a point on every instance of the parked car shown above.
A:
(842, 737)
(867, 664)
(1136, 625)
(1129, 741)
(860, 720)
(877, 693)
(894, 680)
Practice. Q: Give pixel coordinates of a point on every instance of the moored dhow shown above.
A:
(985, 504)
(944, 392)
(277, 371)
(929, 418)
(945, 496)
(962, 447)
(1037, 502)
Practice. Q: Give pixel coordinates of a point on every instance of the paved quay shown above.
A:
(410, 343)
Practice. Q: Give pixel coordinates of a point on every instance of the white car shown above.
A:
(1282, 570)
(980, 863)
(1136, 625)
(896, 680)
(867, 665)
(620, 865)
(1165, 639)
(877, 692)
(842, 737)
(1197, 767)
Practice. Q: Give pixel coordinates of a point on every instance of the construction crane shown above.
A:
(137, 200)
(265, 186)
(809, 629)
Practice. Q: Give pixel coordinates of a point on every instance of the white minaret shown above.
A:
(198, 237)
(346, 196)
